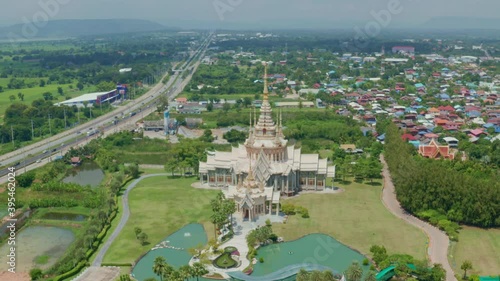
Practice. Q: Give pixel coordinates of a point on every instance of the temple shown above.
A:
(255, 174)
(434, 150)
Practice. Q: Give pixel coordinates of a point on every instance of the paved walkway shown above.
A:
(438, 240)
(123, 220)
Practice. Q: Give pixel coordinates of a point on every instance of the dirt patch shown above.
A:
(95, 273)
(18, 276)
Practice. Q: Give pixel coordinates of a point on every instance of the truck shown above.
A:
(92, 132)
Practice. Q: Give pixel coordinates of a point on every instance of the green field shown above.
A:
(160, 206)
(481, 247)
(31, 94)
(356, 218)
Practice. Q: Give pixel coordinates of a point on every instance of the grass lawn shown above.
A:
(481, 247)
(356, 218)
(160, 206)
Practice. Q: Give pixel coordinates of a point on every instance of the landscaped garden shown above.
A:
(160, 206)
(357, 218)
(225, 260)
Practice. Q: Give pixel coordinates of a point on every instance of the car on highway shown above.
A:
(17, 164)
(54, 149)
(39, 160)
(78, 132)
(45, 151)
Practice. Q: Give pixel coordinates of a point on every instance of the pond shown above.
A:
(89, 173)
(64, 216)
(317, 249)
(176, 252)
(38, 246)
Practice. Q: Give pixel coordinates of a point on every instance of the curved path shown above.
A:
(123, 220)
(438, 240)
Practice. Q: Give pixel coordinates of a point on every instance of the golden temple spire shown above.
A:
(266, 90)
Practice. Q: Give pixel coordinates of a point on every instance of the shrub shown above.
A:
(366, 262)
(261, 260)
(288, 209)
(273, 237)
(36, 273)
(305, 214)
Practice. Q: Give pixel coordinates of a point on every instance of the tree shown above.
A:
(36, 273)
(47, 96)
(354, 272)
(185, 272)
(80, 86)
(160, 266)
(20, 96)
(143, 237)
(210, 107)
(371, 276)
(302, 275)
(60, 91)
(328, 276)
(466, 265)
(132, 170)
(198, 270)
(12, 98)
(226, 107)
(42, 83)
(137, 231)
(105, 86)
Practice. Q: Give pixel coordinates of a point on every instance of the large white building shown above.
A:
(262, 169)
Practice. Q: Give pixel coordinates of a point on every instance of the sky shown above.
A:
(274, 13)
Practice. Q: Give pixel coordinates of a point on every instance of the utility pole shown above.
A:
(50, 128)
(12, 135)
(32, 130)
(65, 124)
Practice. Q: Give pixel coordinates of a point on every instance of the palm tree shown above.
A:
(302, 275)
(354, 272)
(466, 265)
(198, 270)
(328, 276)
(159, 266)
(316, 275)
(185, 272)
(370, 276)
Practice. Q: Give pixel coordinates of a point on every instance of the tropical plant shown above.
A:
(371, 276)
(185, 272)
(159, 267)
(198, 270)
(354, 272)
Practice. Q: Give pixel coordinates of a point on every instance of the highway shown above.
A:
(40, 153)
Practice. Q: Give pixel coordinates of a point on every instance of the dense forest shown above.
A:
(461, 192)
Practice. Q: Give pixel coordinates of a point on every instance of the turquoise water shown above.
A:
(312, 249)
(319, 249)
(176, 258)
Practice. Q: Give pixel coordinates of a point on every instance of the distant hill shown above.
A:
(462, 23)
(75, 28)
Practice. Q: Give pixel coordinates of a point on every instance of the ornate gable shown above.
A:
(262, 169)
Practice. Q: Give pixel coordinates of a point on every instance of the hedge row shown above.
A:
(116, 264)
(72, 272)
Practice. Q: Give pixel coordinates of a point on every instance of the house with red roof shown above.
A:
(445, 110)
(181, 100)
(477, 132)
(433, 150)
(408, 137)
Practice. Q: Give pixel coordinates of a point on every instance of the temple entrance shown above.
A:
(246, 215)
